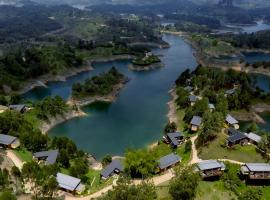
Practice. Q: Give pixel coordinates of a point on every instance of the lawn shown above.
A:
(95, 182)
(214, 191)
(180, 116)
(244, 154)
(24, 155)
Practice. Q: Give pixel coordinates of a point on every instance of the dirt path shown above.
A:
(231, 161)
(195, 158)
(15, 159)
(172, 108)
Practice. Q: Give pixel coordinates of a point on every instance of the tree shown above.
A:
(106, 160)
(251, 194)
(183, 78)
(4, 178)
(253, 127)
(184, 185)
(79, 168)
(124, 190)
(170, 127)
(188, 146)
(140, 163)
(7, 195)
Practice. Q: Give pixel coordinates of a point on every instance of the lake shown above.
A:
(138, 116)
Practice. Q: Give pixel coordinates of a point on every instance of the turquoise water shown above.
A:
(138, 116)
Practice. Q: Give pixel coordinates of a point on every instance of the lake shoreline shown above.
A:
(44, 80)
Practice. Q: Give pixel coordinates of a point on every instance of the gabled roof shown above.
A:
(192, 98)
(67, 182)
(254, 137)
(258, 167)
(18, 107)
(236, 137)
(211, 106)
(232, 131)
(114, 165)
(50, 156)
(230, 92)
(210, 164)
(168, 160)
(188, 88)
(231, 120)
(7, 139)
(196, 120)
(173, 137)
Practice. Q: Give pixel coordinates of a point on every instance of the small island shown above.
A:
(147, 62)
(104, 87)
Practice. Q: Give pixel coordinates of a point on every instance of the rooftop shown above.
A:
(254, 137)
(114, 165)
(169, 160)
(18, 107)
(50, 156)
(258, 167)
(196, 120)
(230, 92)
(210, 164)
(231, 120)
(211, 106)
(232, 131)
(67, 182)
(188, 88)
(236, 137)
(192, 98)
(7, 139)
(173, 137)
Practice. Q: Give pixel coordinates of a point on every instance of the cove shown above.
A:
(138, 116)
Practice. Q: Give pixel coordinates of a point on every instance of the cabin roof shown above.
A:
(67, 182)
(18, 107)
(192, 98)
(254, 137)
(109, 169)
(173, 137)
(258, 167)
(231, 91)
(231, 120)
(196, 120)
(210, 164)
(188, 88)
(211, 106)
(168, 160)
(50, 156)
(232, 131)
(236, 137)
(7, 139)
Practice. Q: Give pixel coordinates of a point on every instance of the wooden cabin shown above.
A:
(210, 168)
(256, 171)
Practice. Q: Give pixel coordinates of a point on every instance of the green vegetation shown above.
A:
(184, 185)
(217, 149)
(20, 65)
(101, 85)
(24, 155)
(145, 61)
(7, 195)
(125, 190)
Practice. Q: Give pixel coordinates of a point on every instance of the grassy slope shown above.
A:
(239, 153)
(24, 155)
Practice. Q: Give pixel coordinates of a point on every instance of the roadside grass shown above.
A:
(95, 182)
(213, 190)
(24, 155)
(239, 153)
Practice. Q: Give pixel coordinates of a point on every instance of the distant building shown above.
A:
(230, 92)
(256, 171)
(210, 168)
(253, 138)
(211, 107)
(232, 122)
(48, 156)
(115, 167)
(188, 88)
(3, 109)
(236, 137)
(69, 183)
(19, 108)
(9, 141)
(192, 99)
(196, 123)
(175, 139)
(168, 161)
